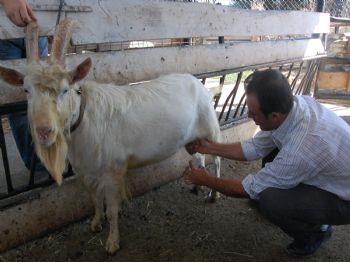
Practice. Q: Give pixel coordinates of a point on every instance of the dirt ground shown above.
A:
(171, 224)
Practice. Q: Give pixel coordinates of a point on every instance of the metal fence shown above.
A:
(338, 8)
(232, 109)
(275, 5)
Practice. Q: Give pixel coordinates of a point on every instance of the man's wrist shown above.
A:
(206, 180)
(212, 148)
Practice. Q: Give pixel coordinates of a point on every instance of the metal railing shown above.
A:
(233, 109)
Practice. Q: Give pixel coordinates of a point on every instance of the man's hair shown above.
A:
(272, 90)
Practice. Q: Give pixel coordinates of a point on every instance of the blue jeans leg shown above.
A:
(12, 49)
(20, 130)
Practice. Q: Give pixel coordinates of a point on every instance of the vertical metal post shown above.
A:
(32, 168)
(319, 8)
(290, 70)
(222, 78)
(5, 158)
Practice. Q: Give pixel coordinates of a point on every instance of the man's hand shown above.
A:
(18, 11)
(200, 146)
(196, 176)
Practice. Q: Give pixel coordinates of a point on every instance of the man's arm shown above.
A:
(201, 177)
(231, 151)
(18, 11)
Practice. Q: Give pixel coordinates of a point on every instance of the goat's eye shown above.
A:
(65, 91)
(26, 90)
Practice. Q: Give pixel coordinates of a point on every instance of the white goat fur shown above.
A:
(122, 126)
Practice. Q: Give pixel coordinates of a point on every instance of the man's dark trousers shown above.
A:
(301, 211)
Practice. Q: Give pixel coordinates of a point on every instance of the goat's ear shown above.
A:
(80, 71)
(11, 76)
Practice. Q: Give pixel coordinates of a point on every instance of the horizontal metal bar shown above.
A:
(13, 107)
(232, 122)
(23, 189)
(332, 95)
(343, 58)
(26, 188)
(340, 19)
(335, 68)
(246, 68)
(65, 8)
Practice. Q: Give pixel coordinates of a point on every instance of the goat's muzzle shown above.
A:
(45, 135)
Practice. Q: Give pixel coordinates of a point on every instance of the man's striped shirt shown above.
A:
(314, 146)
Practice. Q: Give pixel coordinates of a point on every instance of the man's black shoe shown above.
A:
(299, 249)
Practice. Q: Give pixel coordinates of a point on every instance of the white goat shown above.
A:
(104, 129)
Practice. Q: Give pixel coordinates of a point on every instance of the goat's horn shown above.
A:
(32, 42)
(61, 40)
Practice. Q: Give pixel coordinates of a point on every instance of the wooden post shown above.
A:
(348, 52)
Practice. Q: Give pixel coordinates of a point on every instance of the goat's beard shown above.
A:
(54, 156)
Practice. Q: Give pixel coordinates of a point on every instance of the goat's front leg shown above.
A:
(114, 188)
(96, 223)
(213, 195)
(97, 200)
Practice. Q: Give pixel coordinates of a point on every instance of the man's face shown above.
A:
(265, 123)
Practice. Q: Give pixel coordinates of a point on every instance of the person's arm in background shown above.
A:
(18, 11)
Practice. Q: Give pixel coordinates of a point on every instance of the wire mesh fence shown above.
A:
(306, 5)
(338, 8)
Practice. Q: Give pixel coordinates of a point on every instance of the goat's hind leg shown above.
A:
(197, 161)
(215, 136)
(213, 195)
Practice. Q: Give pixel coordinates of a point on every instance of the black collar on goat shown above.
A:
(81, 111)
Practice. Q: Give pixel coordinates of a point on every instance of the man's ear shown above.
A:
(80, 71)
(277, 117)
(11, 76)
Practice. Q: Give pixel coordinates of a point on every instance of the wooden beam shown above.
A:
(135, 65)
(348, 52)
(132, 20)
(333, 80)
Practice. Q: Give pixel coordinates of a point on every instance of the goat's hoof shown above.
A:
(96, 227)
(195, 189)
(212, 196)
(112, 246)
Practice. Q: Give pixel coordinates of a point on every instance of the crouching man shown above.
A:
(305, 188)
